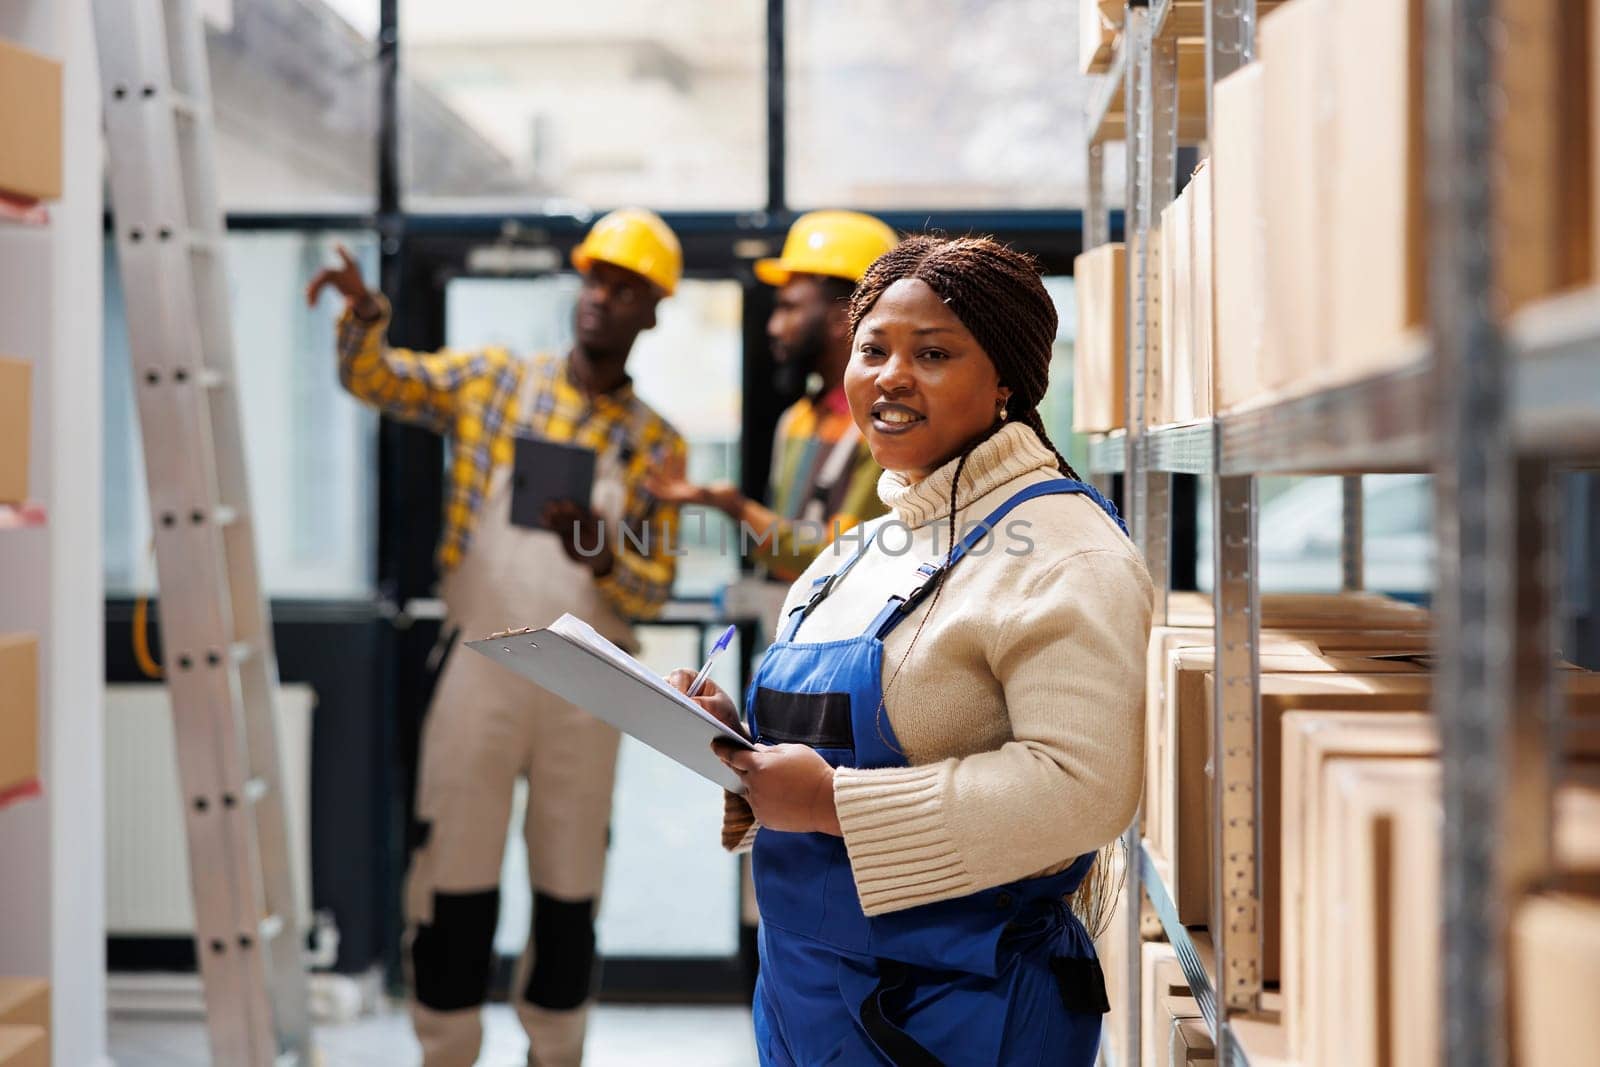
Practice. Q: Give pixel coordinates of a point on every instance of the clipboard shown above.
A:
(545, 471)
(570, 659)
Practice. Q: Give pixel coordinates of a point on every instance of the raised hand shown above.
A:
(346, 279)
(669, 482)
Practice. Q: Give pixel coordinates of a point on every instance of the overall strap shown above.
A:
(930, 575)
(820, 588)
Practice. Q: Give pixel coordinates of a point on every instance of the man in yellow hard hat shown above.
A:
(487, 727)
(824, 480)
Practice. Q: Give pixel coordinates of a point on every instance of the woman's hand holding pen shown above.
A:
(711, 698)
(789, 787)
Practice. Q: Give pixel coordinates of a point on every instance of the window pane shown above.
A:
(295, 91)
(670, 891)
(935, 103)
(309, 446)
(1300, 526)
(688, 369)
(512, 103)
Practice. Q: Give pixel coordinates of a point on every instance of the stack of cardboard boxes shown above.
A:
(1317, 273)
(1350, 813)
(30, 172)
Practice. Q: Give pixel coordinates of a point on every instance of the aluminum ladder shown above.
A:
(217, 639)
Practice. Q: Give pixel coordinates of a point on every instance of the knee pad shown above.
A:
(451, 957)
(564, 973)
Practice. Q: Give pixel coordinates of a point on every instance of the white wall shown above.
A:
(52, 851)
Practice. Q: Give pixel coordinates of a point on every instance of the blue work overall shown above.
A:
(1006, 975)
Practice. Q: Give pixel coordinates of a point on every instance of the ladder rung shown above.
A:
(255, 789)
(211, 379)
(224, 515)
(240, 651)
(270, 928)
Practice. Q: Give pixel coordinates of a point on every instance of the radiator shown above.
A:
(147, 852)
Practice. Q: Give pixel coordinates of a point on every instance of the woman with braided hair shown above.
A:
(950, 725)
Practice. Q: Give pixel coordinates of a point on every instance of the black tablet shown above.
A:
(547, 471)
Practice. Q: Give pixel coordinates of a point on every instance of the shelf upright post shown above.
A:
(1236, 874)
(1476, 527)
(1160, 180)
(1351, 549)
(1136, 108)
(1539, 725)
(1230, 43)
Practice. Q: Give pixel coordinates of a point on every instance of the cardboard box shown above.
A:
(1296, 60)
(1321, 683)
(1164, 640)
(1593, 73)
(1100, 356)
(1414, 990)
(1354, 956)
(16, 392)
(25, 1002)
(1238, 171)
(1160, 979)
(1577, 829)
(1542, 224)
(1576, 145)
(1112, 949)
(1160, 733)
(24, 1046)
(1310, 742)
(1378, 223)
(1555, 960)
(19, 712)
(30, 123)
(1202, 313)
(1176, 350)
(1190, 1042)
(1175, 1012)
(1097, 34)
(1310, 611)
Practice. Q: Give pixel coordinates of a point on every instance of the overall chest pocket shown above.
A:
(821, 720)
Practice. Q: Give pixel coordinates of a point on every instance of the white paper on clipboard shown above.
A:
(570, 659)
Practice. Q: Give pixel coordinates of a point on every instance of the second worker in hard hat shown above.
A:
(824, 480)
(487, 727)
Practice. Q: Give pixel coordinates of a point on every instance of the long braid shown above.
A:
(1000, 298)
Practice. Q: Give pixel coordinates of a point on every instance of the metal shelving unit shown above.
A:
(1488, 410)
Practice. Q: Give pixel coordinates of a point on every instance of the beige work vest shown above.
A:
(511, 577)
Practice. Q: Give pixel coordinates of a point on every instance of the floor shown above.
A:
(618, 1035)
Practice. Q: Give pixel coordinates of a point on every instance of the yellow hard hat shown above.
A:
(840, 244)
(636, 240)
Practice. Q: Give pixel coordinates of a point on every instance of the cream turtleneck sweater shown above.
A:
(1020, 710)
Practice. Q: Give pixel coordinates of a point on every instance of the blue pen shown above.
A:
(716, 650)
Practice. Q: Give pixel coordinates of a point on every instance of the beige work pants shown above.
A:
(486, 728)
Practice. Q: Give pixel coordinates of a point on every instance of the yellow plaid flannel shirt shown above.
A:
(472, 399)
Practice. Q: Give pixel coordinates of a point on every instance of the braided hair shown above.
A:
(999, 296)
